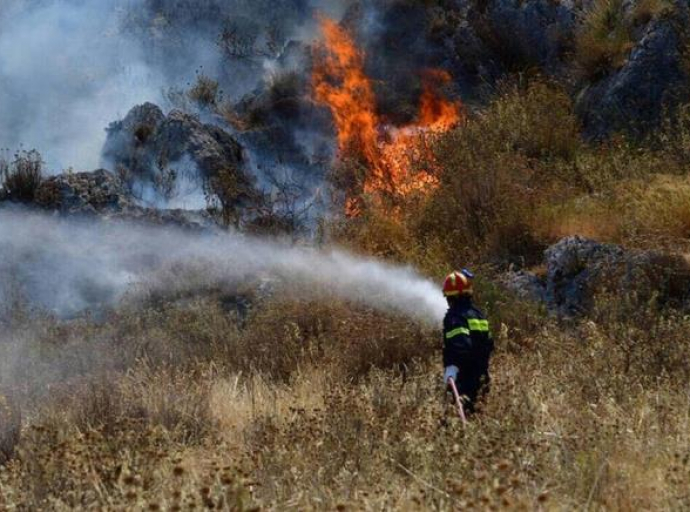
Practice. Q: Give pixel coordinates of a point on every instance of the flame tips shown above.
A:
(340, 83)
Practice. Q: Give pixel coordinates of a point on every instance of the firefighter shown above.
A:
(467, 341)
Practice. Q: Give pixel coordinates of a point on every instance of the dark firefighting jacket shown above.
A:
(466, 335)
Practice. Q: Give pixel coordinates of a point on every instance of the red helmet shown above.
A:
(458, 283)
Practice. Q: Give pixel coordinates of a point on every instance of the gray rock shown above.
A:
(575, 269)
(147, 145)
(633, 98)
(102, 194)
(578, 270)
(525, 285)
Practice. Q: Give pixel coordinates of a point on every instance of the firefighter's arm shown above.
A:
(456, 342)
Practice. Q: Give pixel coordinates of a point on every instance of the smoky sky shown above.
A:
(65, 73)
(68, 68)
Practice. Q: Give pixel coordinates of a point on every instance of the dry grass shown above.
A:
(650, 213)
(604, 40)
(608, 33)
(593, 415)
(205, 92)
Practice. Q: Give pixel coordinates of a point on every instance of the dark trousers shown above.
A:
(473, 378)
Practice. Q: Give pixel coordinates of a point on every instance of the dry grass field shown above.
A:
(319, 407)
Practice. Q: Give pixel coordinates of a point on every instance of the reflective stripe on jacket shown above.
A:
(466, 333)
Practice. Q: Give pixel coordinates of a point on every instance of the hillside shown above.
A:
(221, 265)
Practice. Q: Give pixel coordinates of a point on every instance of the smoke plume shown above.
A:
(66, 72)
(67, 266)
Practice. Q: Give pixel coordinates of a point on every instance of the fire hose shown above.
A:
(458, 400)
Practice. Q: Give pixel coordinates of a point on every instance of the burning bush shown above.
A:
(386, 154)
(22, 176)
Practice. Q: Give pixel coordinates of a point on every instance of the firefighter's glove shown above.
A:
(450, 373)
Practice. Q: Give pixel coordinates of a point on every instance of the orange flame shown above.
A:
(339, 82)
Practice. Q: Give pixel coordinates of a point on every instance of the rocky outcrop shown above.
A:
(578, 269)
(85, 192)
(575, 270)
(633, 98)
(525, 285)
(151, 148)
(484, 41)
(100, 193)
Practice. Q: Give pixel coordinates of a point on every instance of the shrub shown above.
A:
(10, 426)
(205, 92)
(289, 334)
(644, 11)
(484, 204)
(672, 140)
(495, 171)
(224, 194)
(285, 92)
(511, 52)
(604, 39)
(377, 232)
(537, 120)
(22, 176)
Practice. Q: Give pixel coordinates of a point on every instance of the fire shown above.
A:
(435, 113)
(389, 153)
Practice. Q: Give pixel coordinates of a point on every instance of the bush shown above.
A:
(484, 205)
(285, 93)
(536, 120)
(289, 334)
(607, 34)
(644, 11)
(205, 92)
(22, 176)
(604, 40)
(494, 173)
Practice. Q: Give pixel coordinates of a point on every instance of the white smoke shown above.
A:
(68, 266)
(66, 72)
